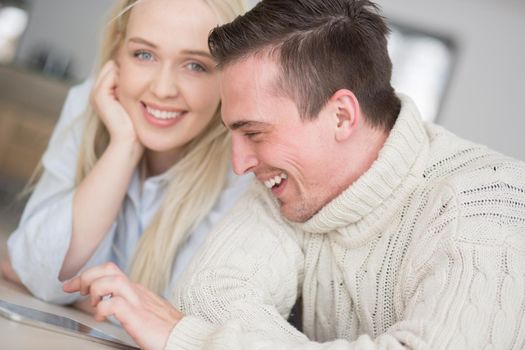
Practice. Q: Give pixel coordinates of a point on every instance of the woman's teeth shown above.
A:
(163, 114)
(275, 180)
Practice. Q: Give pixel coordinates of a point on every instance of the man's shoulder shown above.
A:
(463, 164)
(253, 230)
(478, 189)
(257, 211)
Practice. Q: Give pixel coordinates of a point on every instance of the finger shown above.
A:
(108, 66)
(130, 319)
(115, 306)
(115, 286)
(83, 282)
(106, 83)
(72, 286)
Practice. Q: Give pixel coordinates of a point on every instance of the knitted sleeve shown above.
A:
(246, 277)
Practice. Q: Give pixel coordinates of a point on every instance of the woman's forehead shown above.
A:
(196, 10)
(162, 21)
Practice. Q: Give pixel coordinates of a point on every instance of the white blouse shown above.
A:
(38, 246)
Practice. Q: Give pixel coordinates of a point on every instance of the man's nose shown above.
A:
(244, 158)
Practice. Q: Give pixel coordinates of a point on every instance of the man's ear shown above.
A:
(347, 113)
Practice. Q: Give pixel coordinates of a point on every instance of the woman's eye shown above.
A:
(143, 55)
(196, 67)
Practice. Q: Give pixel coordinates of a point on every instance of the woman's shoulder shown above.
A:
(236, 182)
(235, 187)
(67, 134)
(77, 100)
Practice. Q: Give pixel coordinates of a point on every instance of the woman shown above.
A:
(152, 158)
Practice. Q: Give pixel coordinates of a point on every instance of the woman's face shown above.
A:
(167, 79)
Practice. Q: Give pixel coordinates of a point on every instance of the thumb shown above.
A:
(71, 286)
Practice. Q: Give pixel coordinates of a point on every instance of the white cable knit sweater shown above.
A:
(426, 250)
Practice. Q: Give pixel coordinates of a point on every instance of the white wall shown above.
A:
(70, 27)
(486, 97)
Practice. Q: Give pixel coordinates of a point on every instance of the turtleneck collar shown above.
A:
(361, 210)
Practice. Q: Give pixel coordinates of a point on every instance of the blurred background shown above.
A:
(461, 60)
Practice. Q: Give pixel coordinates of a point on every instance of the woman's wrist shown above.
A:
(129, 150)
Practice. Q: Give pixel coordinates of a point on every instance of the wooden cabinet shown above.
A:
(23, 138)
(29, 108)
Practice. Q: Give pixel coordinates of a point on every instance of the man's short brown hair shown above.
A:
(321, 46)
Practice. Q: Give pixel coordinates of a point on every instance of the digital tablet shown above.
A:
(57, 323)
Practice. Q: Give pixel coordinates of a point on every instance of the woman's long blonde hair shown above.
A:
(199, 176)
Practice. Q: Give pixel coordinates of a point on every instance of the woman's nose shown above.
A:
(164, 84)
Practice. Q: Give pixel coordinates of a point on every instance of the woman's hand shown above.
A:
(105, 101)
(146, 317)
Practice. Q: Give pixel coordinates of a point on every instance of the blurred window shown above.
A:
(422, 66)
(13, 22)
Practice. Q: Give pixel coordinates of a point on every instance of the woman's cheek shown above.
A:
(207, 95)
(130, 83)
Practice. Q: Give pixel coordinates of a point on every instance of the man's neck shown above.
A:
(363, 150)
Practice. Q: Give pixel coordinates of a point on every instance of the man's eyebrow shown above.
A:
(245, 123)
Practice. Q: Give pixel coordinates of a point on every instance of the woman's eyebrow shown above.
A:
(142, 41)
(186, 52)
(197, 53)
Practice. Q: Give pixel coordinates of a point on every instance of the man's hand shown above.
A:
(145, 316)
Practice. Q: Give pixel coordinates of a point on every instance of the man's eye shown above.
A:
(196, 67)
(252, 134)
(143, 55)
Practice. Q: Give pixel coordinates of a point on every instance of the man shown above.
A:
(395, 233)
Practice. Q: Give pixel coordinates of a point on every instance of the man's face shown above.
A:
(295, 159)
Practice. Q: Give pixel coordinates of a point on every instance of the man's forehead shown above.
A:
(254, 71)
(250, 93)
(245, 85)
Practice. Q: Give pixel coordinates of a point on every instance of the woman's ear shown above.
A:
(347, 113)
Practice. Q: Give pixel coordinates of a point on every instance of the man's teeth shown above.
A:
(276, 180)
(163, 114)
